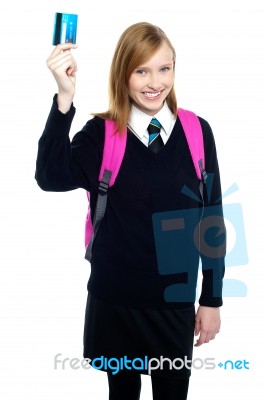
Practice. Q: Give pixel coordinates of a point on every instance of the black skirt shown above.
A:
(158, 342)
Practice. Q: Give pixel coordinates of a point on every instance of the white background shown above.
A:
(220, 75)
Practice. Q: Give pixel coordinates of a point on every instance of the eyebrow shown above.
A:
(161, 66)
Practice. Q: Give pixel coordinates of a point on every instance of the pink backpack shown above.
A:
(113, 153)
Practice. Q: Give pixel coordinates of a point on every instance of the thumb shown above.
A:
(197, 327)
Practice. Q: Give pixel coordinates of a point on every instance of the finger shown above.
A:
(71, 71)
(197, 328)
(209, 337)
(59, 58)
(62, 47)
(201, 339)
(62, 64)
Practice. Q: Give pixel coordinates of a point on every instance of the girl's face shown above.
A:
(150, 83)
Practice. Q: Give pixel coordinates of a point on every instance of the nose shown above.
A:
(154, 82)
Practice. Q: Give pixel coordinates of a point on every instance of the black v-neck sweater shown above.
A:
(124, 267)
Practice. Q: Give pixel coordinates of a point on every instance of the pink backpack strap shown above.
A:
(194, 136)
(113, 153)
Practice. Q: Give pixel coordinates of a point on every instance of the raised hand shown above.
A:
(63, 67)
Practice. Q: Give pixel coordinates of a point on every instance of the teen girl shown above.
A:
(127, 313)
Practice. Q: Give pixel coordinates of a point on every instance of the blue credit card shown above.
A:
(65, 28)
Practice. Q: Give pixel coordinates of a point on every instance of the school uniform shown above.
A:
(130, 309)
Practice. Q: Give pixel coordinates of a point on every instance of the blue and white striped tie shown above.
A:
(155, 139)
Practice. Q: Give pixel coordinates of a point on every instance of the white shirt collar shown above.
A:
(139, 121)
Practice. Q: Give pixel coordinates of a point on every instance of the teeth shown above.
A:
(148, 94)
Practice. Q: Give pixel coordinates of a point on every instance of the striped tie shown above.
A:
(155, 139)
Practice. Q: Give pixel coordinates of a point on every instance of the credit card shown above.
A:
(65, 28)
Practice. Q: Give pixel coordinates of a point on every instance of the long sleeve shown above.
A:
(63, 164)
(212, 229)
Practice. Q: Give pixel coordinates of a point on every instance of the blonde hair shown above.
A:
(137, 44)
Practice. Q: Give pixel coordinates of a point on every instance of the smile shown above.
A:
(152, 95)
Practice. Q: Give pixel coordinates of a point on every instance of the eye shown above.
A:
(165, 69)
(140, 72)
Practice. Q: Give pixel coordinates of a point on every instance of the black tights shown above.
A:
(126, 386)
